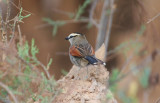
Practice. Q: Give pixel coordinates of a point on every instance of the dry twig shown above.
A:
(109, 26)
(141, 65)
(92, 20)
(150, 20)
(102, 26)
(158, 100)
(9, 91)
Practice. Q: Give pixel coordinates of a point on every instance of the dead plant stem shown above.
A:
(103, 25)
(111, 2)
(9, 92)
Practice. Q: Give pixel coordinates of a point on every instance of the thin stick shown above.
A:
(20, 34)
(13, 30)
(43, 66)
(1, 21)
(30, 65)
(150, 20)
(19, 8)
(20, 43)
(122, 47)
(92, 13)
(126, 63)
(158, 100)
(5, 100)
(141, 65)
(9, 91)
(109, 27)
(66, 22)
(8, 11)
(102, 26)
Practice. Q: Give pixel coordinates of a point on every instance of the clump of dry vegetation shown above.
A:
(22, 77)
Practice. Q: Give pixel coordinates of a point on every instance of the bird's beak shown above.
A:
(67, 38)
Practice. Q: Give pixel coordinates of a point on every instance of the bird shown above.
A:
(81, 53)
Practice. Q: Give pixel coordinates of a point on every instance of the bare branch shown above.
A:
(92, 13)
(20, 34)
(8, 11)
(126, 63)
(66, 22)
(109, 26)
(158, 100)
(9, 91)
(150, 20)
(141, 65)
(102, 26)
(43, 66)
(30, 65)
(1, 21)
(13, 30)
(19, 8)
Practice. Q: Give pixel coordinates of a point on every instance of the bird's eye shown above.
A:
(73, 36)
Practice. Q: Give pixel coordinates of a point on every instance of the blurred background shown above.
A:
(133, 39)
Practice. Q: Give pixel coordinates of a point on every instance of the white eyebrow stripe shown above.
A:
(73, 34)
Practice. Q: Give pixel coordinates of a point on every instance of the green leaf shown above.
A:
(64, 72)
(89, 25)
(142, 30)
(60, 23)
(109, 95)
(54, 30)
(81, 9)
(49, 21)
(124, 98)
(55, 24)
(108, 11)
(27, 16)
(34, 50)
(145, 77)
(112, 80)
(23, 51)
(20, 17)
(114, 75)
(49, 63)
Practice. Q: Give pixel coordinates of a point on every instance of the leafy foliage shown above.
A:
(125, 99)
(113, 79)
(142, 30)
(20, 17)
(81, 9)
(134, 46)
(64, 72)
(145, 77)
(34, 50)
(24, 80)
(23, 51)
(49, 63)
(55, 24)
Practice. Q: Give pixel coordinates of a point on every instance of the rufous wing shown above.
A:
(81, 50)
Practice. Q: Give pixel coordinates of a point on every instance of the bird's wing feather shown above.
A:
(86, 52)
(81, 50)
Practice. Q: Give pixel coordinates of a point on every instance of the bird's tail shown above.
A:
(93, 60)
